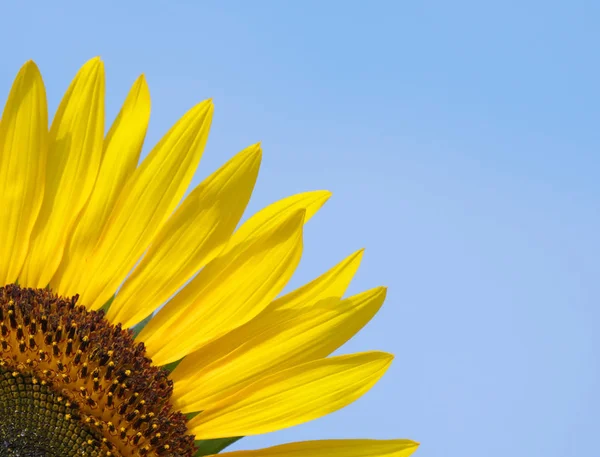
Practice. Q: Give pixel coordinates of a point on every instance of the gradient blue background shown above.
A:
(461, 141)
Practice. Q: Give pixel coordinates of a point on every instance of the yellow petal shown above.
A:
(273, 214)
(333, 283)
(227, 293)
(145, 203)
(334, 448)
(242, 356)
(74, 155)
(122, 148)
(23, 150)
(293, 396)
(190, 239)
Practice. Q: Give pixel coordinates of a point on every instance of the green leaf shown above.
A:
(107, 304)
(137, 328)
(171, 366)
(190, 416)
(214, 446)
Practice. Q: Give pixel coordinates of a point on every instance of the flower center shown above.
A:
(37, 422)
(73, 384)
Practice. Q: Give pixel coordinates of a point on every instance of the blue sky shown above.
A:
(460, 140)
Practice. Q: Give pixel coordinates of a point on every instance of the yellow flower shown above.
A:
(224, 357)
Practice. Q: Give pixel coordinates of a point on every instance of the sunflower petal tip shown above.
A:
(94, 62)
(322, 196)
(30, 69)
(30, 64)
(252, 152)
(94, 65)
(206, 107)
(387, 357)
(355, 257)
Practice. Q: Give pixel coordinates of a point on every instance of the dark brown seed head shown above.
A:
(71, 383)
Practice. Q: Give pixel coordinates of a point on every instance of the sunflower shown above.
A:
(135, 325)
